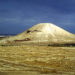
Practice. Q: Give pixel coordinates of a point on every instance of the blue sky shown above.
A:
(19, 15)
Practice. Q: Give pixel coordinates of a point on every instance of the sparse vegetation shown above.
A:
(62, 45)
(37, 59)
(41, 49)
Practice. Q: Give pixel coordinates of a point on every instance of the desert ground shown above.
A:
(37, 60)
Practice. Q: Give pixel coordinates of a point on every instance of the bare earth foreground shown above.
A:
(37, 60)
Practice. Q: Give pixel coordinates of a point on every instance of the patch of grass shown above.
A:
(49, 71)
(3, 73)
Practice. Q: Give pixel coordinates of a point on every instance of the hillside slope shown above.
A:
(44, 33)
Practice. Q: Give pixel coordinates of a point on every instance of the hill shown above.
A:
(43, 34)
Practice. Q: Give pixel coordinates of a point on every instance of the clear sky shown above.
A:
(19, 15)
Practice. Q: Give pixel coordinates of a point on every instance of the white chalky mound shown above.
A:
(44, 32)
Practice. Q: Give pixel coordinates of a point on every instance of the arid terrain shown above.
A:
(44, 49)
(43, 33)
(37, 60)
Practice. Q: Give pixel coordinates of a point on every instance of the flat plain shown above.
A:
(37, 60)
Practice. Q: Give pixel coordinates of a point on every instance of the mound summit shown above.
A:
(43, 33)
